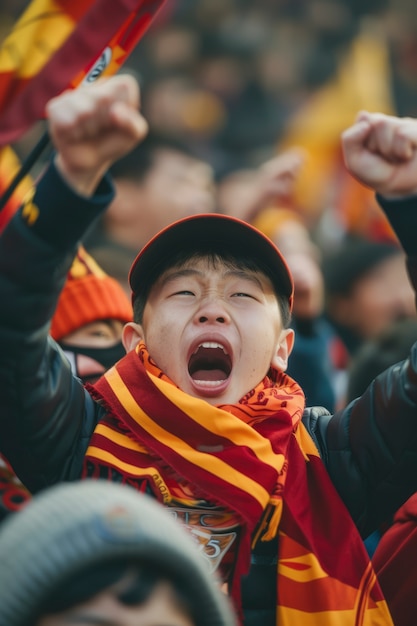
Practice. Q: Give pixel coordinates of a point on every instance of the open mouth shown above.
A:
(210, 363)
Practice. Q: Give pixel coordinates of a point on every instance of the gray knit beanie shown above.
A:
(71, 526)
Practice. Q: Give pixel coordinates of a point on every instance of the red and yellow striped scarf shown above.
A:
(256, 459)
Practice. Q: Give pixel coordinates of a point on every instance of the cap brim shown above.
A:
(211, 232)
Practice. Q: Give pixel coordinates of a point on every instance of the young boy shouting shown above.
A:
(200, 413)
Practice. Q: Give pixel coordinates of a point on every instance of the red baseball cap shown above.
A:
(211, 233)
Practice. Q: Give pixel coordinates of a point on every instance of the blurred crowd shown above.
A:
(238, 80)
(246, 103)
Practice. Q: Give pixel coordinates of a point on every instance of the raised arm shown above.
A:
(380, 152)
(93, 127)
(43, 407)
(370, 448)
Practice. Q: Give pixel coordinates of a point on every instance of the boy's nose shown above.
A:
(204, 318)
(212, 312)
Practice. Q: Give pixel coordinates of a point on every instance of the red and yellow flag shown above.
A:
(57, 44)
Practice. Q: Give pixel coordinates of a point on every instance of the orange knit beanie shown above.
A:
(89, 295)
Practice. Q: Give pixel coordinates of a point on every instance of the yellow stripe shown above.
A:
(133, 470)
(9, 166)
(305, 442)
(209, 463)
(42, 29)
(375, 616)
(221, 423)
(287, 616)
(107, 457)
(119, 438)
(366, 585)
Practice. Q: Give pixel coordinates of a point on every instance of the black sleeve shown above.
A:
(370, 447)
(43, 407)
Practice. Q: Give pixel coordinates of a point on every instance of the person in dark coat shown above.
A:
(200, 413)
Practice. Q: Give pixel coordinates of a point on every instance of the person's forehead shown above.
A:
(214, 260)
(112, 326)
(204, 267)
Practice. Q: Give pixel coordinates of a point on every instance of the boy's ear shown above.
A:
(284, 349)
(131, 335)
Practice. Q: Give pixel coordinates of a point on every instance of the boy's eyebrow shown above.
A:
(246, 274)
(178, 273)
(190, 271)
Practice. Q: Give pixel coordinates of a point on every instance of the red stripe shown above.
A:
(216, 488)
(74, 8)
(11, 84)
(132, 457)
(317, 519)
(10, 87)
(173, 419)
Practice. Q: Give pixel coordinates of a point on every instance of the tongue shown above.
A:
(215, 374)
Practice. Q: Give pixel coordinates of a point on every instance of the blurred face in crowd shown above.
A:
(94, 348)
(382, 296)
(222, 324)
(177, 185)
(302, 257)
(162, 608)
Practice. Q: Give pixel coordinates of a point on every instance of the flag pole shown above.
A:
(25, 168)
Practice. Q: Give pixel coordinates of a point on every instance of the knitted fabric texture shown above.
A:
(89, 295)
(71, 526)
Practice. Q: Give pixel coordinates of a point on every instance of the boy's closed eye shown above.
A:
(242, 294)
(184, 292)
